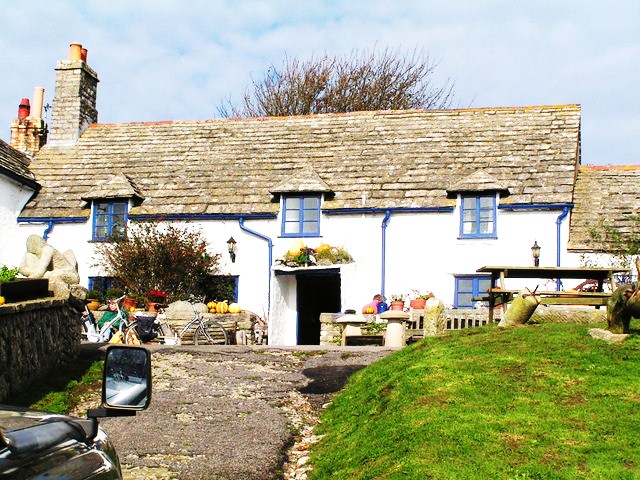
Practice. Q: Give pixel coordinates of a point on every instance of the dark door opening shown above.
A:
(316, 294)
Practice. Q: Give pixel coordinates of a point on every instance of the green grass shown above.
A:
(537, 402)
(62, 390)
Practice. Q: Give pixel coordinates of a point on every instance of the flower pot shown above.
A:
(397, 305)
(418, 303)
(129, 302)
(151, 306)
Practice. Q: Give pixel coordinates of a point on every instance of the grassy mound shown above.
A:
(538, 402)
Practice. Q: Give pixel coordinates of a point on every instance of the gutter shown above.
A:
(270, 245)
(202, 216)
(347, 211)
(51, 221)
(536, 206)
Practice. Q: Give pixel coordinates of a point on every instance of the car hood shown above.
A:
(44, 445)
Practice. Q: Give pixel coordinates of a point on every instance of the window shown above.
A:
(223, 287)
(301, 217)
(101, 284)
(478, 217)
(468, 287)
(109, 219)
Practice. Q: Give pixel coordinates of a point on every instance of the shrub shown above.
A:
(158, 257)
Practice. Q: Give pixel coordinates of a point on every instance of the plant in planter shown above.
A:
(419, 299)
(154, 297)
(114, 293)
(397, 301)
(94, 297)
(14, 287)
(8, 274)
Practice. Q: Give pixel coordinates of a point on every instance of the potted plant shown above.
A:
(419, 299)
(15, 288)
(153, 298)
(397, 301)
(93, 299)
(113, 293)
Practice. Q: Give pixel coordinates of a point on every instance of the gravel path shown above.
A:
(233, 412)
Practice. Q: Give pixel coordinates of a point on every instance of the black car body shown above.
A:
(40, 445)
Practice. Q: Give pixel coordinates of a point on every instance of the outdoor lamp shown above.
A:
(231, 243)
(535, 250)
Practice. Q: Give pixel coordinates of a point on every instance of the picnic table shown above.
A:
(498, 294)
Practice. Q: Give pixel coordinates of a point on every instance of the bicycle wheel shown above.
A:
(131, 335)
(210, 332)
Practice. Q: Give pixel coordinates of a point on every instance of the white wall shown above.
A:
(423, 252)
(13, 197)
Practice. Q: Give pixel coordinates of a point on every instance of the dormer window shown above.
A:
(478, 216)
(301, 216)
(110, 199)
(109, 219)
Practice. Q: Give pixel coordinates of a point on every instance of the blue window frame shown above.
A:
(301, 216)
(478, 216)
(109, 219)
(101, 284)
(468, 287)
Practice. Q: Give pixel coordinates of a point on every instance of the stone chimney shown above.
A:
(74, 103)
(29, 130)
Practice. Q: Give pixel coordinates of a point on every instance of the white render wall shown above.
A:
(13, 197)
(423, 252)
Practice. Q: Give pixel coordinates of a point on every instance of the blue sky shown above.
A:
(179, 59)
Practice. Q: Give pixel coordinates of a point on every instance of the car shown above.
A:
(44, 445)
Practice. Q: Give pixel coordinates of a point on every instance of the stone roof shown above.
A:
(15, 164)
(605, 196)
(117, 186)
(384, 159)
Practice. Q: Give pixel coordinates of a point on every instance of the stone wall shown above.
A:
(36, 338)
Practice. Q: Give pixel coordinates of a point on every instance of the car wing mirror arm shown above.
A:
(102, 412)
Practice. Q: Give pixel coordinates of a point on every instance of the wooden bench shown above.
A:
(501, 296)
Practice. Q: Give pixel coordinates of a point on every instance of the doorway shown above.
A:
(317, 293)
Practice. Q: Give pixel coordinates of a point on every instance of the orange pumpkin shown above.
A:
(369, 309)
(234, 308)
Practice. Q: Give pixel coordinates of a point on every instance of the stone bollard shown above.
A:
(434, 317)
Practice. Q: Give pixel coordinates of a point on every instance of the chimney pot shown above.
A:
(83, 55)
(38, 101)
(24, 109)
(75, 51)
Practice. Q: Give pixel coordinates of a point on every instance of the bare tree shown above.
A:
(362, 81)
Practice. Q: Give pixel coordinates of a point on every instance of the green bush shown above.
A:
(167, 258)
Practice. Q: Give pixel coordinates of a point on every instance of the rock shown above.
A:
(607, 336)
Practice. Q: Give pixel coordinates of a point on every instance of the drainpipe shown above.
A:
(385, 222)
(270, 245)
(47, 230)
(559, 220)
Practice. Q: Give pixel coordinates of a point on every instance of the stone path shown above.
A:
(233, 412)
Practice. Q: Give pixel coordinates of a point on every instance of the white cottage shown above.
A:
(420, 199)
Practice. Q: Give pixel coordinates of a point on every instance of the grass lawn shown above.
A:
(537, 402)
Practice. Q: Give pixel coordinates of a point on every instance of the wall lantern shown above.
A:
(231, 243)
(535, 250)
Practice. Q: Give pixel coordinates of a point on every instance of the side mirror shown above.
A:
(127, 378)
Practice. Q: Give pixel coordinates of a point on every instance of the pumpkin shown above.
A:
(296, 247)
(369, 309)
(222, 307)
(234, 308)
(211, 305)
(323, 247)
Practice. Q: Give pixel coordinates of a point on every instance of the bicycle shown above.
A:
(205, 331)
(90, 331)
